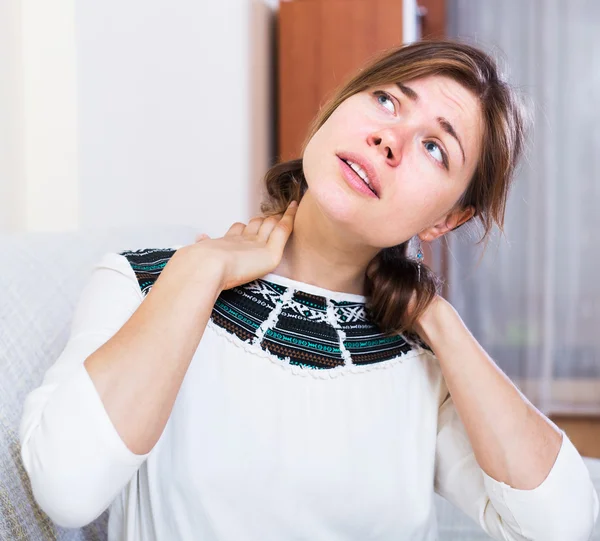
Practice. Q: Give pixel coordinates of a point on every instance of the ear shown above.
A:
(449, 222)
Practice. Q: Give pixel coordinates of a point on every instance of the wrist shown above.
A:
(436, 321)
(199, 268)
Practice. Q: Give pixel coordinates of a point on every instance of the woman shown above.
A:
(300, 377)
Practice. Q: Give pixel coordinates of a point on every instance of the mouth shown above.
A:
(363, 170)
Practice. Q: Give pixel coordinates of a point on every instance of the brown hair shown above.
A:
(391, 276)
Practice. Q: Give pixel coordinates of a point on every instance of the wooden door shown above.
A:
(321, 43)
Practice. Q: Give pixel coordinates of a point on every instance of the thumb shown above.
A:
(201, 237)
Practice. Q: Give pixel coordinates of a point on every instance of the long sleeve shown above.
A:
(563, 507)
(75, 459)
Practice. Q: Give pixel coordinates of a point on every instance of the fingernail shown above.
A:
(294, 203)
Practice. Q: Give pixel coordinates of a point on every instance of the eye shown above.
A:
(437, 152)
(383, 97)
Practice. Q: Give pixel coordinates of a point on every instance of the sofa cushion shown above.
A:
(41, 279)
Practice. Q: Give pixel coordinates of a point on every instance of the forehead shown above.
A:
(436, 91)
(441, 97)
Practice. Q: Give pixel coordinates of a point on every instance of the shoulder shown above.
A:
(147, 264)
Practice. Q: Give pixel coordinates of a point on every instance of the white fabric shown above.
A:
(255, 451)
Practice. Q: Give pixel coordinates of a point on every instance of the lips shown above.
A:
(367, 168)
(359, 177)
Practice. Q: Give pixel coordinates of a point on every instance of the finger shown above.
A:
(268, 225)
(254, 225)
(201, 237)
(236, 229)
(282, 231)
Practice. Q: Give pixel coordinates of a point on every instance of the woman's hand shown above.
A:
(247, 252)
(431, 320)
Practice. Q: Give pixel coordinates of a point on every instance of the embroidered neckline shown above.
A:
(307, 371)
(300, 326)
(313, 289)
(304, 329)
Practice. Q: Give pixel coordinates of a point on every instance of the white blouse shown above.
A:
(297, 419)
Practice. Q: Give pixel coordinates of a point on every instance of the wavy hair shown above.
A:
(391, 276)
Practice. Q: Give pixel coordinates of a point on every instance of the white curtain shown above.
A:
(533, 301)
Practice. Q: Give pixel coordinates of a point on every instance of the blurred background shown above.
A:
(147, 113)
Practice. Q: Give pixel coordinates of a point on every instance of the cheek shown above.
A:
(314, 155)
(417, 183)
(335, 135)
(418, 200)
(346, 124)
(349, 121)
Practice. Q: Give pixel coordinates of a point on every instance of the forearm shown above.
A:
(513, 442)
(139, 371)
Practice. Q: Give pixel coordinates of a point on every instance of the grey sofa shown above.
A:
(41, 277)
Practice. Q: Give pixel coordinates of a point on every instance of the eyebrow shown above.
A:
(444, 123)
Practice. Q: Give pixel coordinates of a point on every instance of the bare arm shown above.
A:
(139, 371)
(494, 447)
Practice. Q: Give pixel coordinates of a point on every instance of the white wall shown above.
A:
(140, 112)
(51, 183)
(11, 118)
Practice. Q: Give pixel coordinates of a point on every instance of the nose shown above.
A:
(388, 143)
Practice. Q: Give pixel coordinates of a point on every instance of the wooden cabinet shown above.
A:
(321, 43)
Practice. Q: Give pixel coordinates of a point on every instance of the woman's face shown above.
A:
(421, 141)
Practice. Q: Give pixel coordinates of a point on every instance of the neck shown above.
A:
(321, 253)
